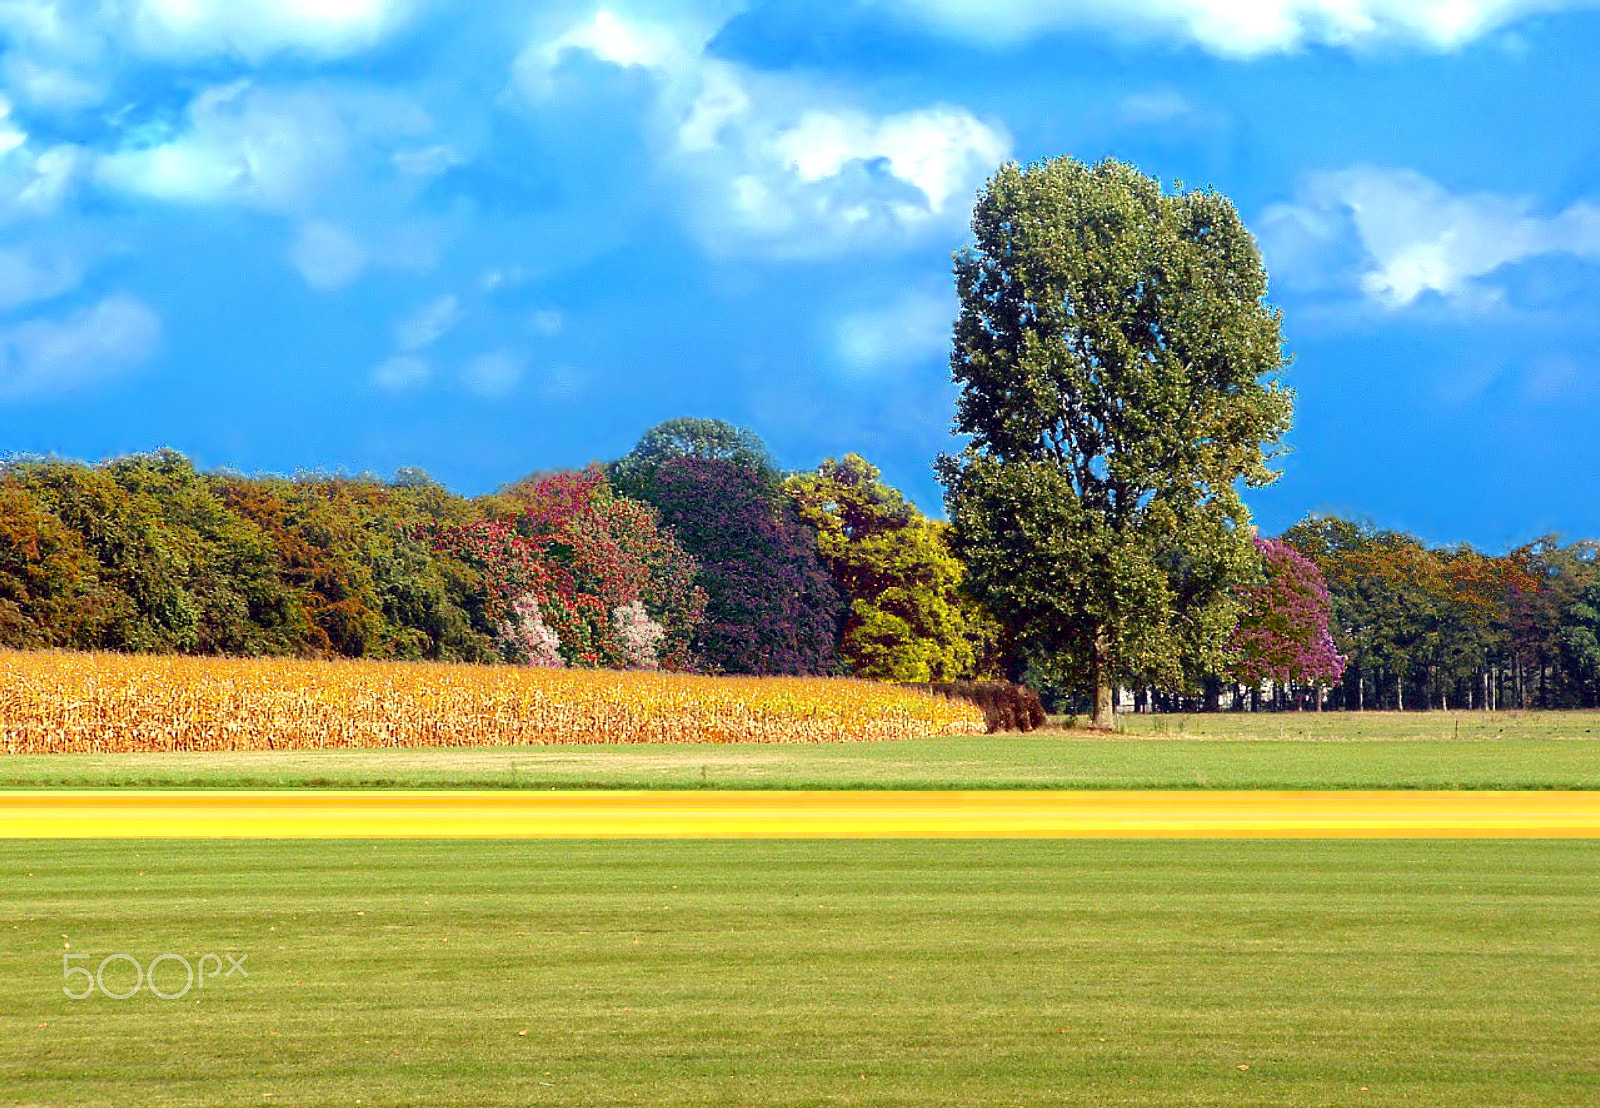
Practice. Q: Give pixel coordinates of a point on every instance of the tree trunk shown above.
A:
(1105, 717)
(1400, 693)
(1105, 713)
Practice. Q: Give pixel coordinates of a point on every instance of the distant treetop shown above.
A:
(712, 440)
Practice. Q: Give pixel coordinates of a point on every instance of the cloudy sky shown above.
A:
(490, 237)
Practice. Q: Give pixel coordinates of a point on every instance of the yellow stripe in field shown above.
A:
(228, 813)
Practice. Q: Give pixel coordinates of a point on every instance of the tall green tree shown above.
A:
(1580, 629)
(1118, 364)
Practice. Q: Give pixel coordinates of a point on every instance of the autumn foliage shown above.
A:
(726, 569)
(1427, 627)
(1283, 635)
(577, 576)
(771, 604)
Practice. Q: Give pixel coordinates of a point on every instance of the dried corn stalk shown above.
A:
(56, 702)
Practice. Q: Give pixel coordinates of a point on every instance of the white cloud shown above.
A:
(55, 58)
(428, 324)
(428, 161)
(257, 28)
(41, 357)
(619, 41)
(30, 275)
(932, 150)
(911, 328)
(1234, 28)
(770, 164)
(327, 256)
(32, 181)
(824, 182)
(547, 321)
(495, 374)
(64, 55)
(51, 86)
(403, 371)
(271, 149)
(11, 136)
(330, 256)
(298, 151)
(1399, 235)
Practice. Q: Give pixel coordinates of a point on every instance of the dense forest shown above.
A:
(1451, 627)
(696, 553)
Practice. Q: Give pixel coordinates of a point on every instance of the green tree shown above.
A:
(144, 564)
(1117, 362)
(711, 440)
(1580, 630)
(908, 620)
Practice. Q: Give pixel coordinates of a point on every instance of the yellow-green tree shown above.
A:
(909, 620)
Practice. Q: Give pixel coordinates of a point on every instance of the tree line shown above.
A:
(693, 552)
(1450, 627)
(1120, 385)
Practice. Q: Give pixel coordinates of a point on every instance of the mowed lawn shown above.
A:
(1533, 750)
(809, 973)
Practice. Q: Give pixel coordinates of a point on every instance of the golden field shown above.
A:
(58, 703)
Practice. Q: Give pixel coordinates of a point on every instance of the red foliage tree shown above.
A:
(580, 553)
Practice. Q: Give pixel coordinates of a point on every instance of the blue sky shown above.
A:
(490, 238)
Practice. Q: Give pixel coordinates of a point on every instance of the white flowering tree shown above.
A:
(528, 636)
(638, 636)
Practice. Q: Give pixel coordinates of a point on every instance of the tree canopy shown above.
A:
(771, 605)
(1118, 367)
(710, 440)
(908, 618)
(577, 575)
(1283, 634)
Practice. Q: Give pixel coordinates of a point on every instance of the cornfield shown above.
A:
(56, 702)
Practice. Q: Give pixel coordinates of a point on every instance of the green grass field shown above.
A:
(1366, 726)
(809, 973)
(1550, 750)
(1237, 973)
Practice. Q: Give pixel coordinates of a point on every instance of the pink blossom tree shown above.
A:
(1283, 634)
